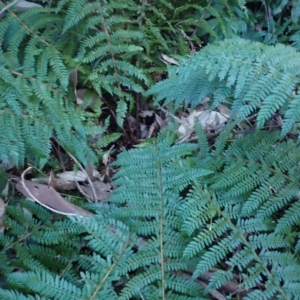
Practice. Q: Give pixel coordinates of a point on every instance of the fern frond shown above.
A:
(13, 295)
(151, 205)
(246, 214)
(251, 76)
(49, 286)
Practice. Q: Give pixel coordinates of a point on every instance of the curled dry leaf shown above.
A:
(187, 124)
(48, 197)
(279, 120)
(4, 192)
(169, 60)
(209, 120)
(143, 131)
(73, 78)
(79, 94)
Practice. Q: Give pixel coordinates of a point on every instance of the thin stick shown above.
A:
(8, 6)
(87, 176)
(83, 192)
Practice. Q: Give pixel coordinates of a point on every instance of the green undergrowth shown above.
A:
(112, 49)
(179, 211)
(185, 221)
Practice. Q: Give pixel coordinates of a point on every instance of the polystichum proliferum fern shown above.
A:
(247, 76)
(226, 213)
(39, 48)
(228, 216)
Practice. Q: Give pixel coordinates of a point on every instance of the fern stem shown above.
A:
(161, 224)
(30, 31)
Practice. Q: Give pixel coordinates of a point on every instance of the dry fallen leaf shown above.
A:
(73, 78)
(162, 123)
(48, 197)
(25, 5)
(225, 111)
(187, 124)
(143, 131)
(57, 183)
(106, 156)
(170, 60)
(205, 100)
(212, 120)
(77, 175)
(209, 120)
(151, 129)
(102, 190)
(2, 211)
(146, 113)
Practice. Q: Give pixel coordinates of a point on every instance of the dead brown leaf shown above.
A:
(73, 78)
(224, 110)
(102, 190)
(57, 183)
(48, 197)
(2, 212)
(169, 60)
(162, 123)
